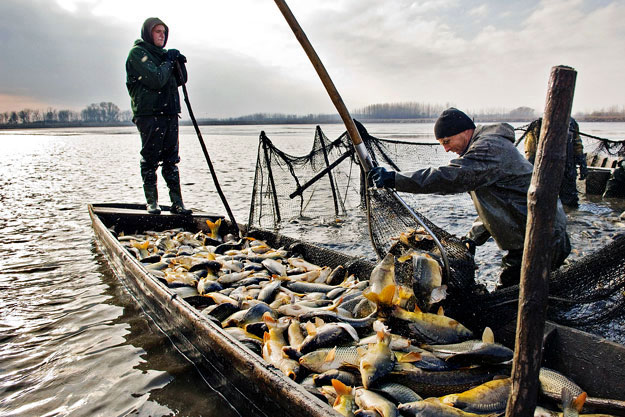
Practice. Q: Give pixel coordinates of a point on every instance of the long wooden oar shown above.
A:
(208, 159)
(361, 150)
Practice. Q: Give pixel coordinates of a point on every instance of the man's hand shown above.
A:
(470, 244)
(583, 167)
(173, 55)
(382, 178)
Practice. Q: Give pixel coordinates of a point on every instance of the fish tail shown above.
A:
(387, 295)
(579, 401)
(341, 388)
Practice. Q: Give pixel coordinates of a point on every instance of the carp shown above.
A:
(379, 359)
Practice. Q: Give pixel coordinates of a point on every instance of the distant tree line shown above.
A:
(408, 110)
(274, 118)
(96, 113)
(107, 113)
(610, 114)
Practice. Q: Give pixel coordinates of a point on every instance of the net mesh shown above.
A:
(589, 294)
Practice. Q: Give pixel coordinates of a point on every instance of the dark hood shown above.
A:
(148, 25)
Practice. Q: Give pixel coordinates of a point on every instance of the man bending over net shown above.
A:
(497, 177)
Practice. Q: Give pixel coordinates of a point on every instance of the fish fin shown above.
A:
(578, 402)
(417, 309)
(433, 400)
(331, 355)
(405, 292)
(567, 398)
(409, 357)
(319, 322)
(310, 328)
(370, 295)
(488, 336)
(441, 311)
(269, 320)
(361, 351)
(215, 228)
(387, 294)
(378, 326)
(266, 337)
(211, 226)
(405, 257)
(335, 304)
(340, 388)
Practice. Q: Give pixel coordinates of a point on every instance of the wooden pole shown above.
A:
(361, 151)
(542, 199)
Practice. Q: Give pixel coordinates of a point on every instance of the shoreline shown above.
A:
(186, 122)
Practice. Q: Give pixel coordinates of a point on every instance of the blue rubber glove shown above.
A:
(382, 178)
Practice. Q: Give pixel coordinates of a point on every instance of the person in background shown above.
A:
(153, 75)
(497, 177)
(575, 156)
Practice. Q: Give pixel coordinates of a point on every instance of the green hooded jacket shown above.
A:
(150, 79)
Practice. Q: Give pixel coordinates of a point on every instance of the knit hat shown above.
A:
(451, 122)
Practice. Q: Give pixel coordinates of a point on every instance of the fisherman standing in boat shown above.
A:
(574, 156)
(153, 79)
(497, 177)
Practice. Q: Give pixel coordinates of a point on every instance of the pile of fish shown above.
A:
(363, 346)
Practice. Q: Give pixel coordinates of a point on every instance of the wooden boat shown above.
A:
(245, 378)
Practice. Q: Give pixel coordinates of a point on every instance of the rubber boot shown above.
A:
(177, 206)
(151, 197)
(510, 269)
(172, 177)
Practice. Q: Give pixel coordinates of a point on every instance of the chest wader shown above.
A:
(615, 188)
(159, 144)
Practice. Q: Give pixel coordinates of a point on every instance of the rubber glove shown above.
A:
(382, 178)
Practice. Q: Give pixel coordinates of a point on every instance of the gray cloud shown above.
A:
(57, 57)
(433, 51)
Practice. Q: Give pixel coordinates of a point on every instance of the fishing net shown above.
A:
(589, 294)
(289, 188)
(283, 191)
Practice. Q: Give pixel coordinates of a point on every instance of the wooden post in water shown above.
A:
(542, 199)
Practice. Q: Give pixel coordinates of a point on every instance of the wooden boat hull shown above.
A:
(242, 376)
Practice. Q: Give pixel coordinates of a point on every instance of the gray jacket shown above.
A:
(497, 177)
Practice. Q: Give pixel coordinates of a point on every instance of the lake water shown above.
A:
(73, 342)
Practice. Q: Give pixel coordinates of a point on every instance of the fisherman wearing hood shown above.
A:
(497, 177)
(152, 79)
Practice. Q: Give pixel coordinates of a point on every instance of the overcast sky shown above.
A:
(243, 57)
